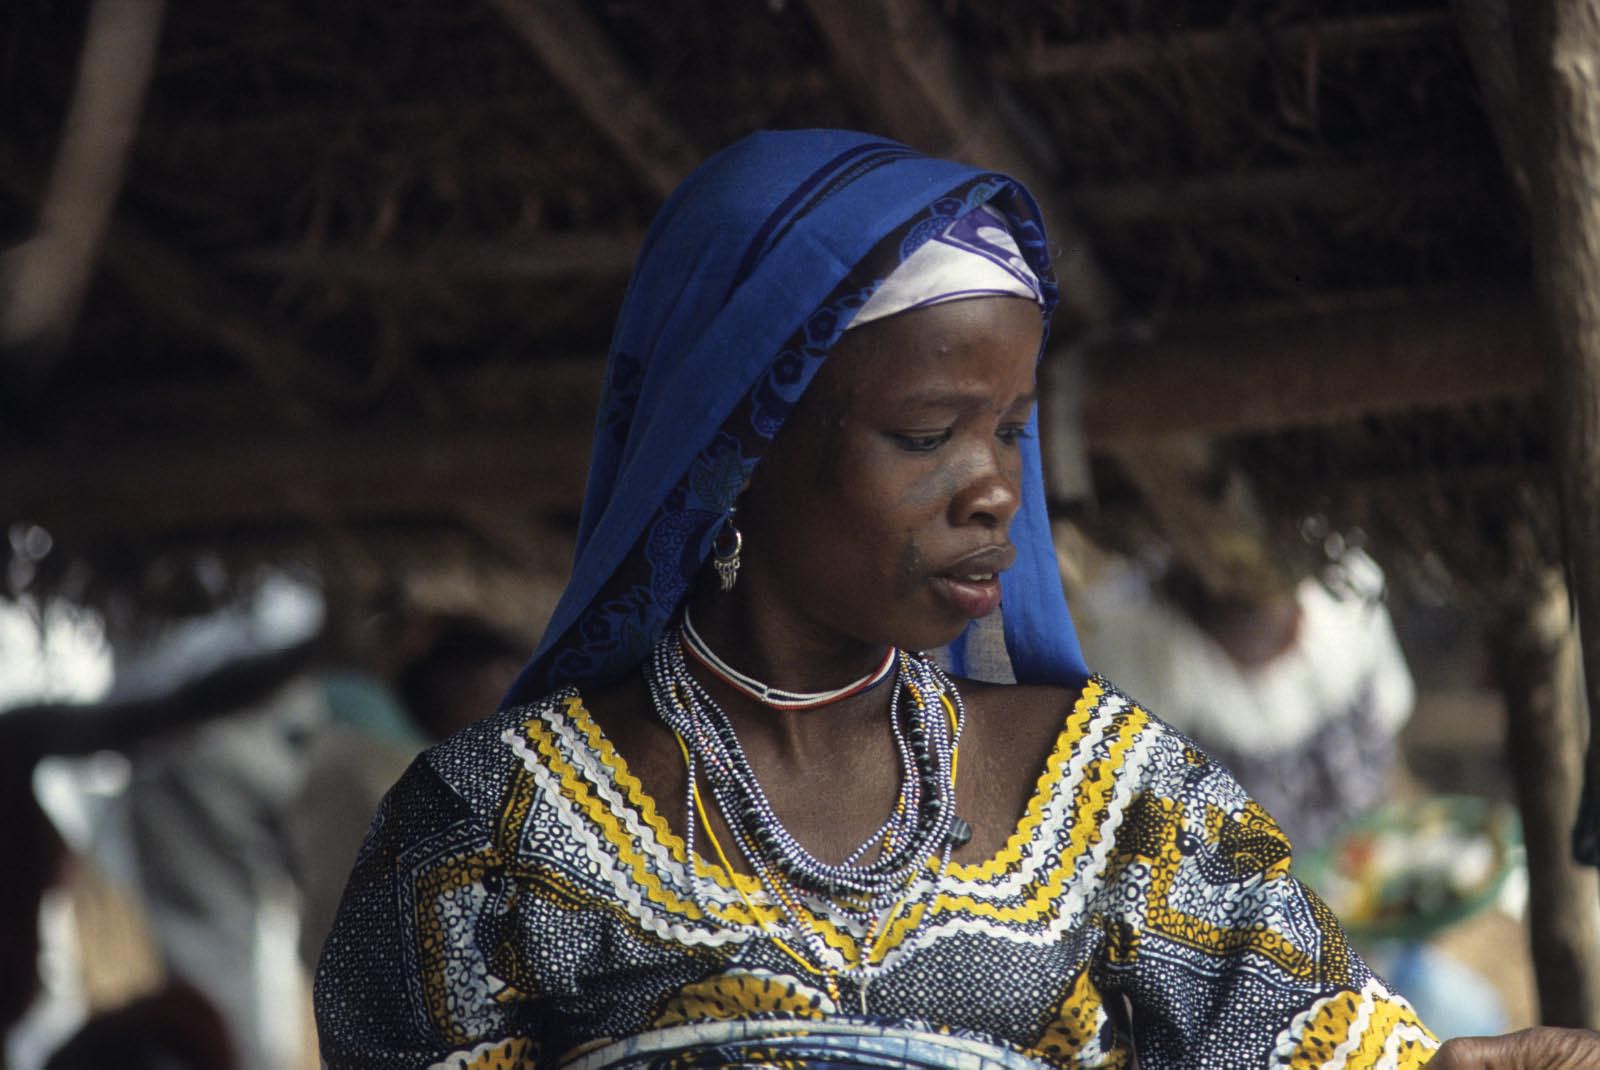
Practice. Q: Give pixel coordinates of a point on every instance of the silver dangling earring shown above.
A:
(725, 554)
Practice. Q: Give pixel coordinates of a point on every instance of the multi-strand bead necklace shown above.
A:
(874, 879)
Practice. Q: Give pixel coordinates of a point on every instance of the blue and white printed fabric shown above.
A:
(836, 1043)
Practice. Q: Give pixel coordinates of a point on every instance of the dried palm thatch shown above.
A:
(349, 307)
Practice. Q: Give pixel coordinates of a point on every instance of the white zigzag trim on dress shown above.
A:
(1014, 884)
(1082, 888)
(576, 750)
(1089, 868)
(620, 881)
(1397, 1040)
(574, 747)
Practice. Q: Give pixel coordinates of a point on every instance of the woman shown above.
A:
(728, 816)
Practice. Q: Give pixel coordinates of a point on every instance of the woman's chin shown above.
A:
(934, 637)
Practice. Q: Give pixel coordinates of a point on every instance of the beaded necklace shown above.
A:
(921, 826)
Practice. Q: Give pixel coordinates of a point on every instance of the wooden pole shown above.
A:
(1487, 32)
(46, 278)
(1560, 80)
(1535, 652)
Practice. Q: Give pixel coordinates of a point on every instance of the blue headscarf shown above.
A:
(749, 274)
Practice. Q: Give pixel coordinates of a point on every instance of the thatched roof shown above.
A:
(363, 259)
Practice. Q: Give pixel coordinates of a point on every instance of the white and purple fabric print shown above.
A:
(975, 257)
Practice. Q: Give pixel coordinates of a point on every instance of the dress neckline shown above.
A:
(1047, 785)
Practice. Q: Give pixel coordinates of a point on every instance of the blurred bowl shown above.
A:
(1411, 869)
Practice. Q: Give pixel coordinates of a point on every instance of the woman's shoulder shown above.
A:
(481, 765)
(1100, 726)
(1053, 710)
(1172, 781)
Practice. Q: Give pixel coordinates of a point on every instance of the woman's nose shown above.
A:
(992, 493)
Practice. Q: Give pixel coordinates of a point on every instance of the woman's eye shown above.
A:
(921, 443)
(1011, 434)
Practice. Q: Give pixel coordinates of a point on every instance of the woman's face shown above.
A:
(881, 512)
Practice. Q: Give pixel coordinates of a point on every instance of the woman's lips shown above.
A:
(973, 596)
(972, 584)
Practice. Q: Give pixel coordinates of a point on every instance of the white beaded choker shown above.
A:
(774, 696)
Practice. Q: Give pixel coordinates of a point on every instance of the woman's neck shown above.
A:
(777, 649)
(781, 655)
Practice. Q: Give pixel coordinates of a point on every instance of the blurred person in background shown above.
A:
(174, 1028)
(36, 858)
(1302, 697)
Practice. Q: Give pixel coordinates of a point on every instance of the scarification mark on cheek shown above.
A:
(917, 493)
(911, 566)
(940, 485)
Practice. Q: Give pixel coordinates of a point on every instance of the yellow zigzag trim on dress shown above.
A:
(1044, 790)
(1369, 1029)
(579, 792)
(1091, 795)
(515, 1053)
(642, 801)
(574, 785)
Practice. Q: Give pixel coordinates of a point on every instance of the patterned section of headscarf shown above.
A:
(975, 257)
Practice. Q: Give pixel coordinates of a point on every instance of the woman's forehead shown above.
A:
(984, 337)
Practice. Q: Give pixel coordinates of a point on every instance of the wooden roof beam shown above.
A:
(172, 285)
(1244, 193)
(345, 115)
(577, 54)
(1244, 379)
(1558, 55)
(1231, 377)
(1489, 37)
(541, 258)
(1118, 55)
(559, 391)
(1313, 371)
(264, 479)
(608, 254)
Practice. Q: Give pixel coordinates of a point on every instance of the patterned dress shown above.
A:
(519, 902)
